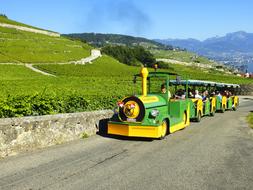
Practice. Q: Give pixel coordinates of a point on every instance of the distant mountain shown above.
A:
(234, 48)
(100, 40)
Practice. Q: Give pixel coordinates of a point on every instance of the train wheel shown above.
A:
(234, 107)
(198, 116)
(164, 129)
(222, 108)
(185, 118)
(212, 112)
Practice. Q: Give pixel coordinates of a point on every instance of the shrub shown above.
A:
(43, 104)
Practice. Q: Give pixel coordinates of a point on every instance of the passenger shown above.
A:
(197, 96)
(180, 94)
(228, 94)
(219, 96)
(212, 93)
(205, 96)
(163, 90)
(190, 94)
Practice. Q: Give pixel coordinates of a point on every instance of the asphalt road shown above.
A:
(216, 153)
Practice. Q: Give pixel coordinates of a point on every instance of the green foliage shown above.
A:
(123, 54)
(144, 56)
(130, 55)
(163, 65)
(43, 104)
(27, 47)
(101, 40)
(3, 15)
(250, 120)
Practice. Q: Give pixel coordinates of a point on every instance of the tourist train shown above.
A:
(168, 104)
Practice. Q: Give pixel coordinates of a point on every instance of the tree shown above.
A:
(3, 15)
(130, 55)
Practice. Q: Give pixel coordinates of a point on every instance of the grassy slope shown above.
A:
(250, 120)
(207, 74)
(183, 56)
(26, 47)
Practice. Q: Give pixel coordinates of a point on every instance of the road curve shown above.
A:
(216, 153)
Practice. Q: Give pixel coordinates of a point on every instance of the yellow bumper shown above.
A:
(134, 131)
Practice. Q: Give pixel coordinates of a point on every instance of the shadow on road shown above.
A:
(247, 98)
(102, 131)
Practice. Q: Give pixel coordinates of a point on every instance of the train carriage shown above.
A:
(227, 101)
(198, 107)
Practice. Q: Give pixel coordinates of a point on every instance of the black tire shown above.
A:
(198, 117)
(235, 107)
(212, 113)
(166, 130)
(185, 116)
(222, 109)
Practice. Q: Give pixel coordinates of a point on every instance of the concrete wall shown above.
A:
(27, 133)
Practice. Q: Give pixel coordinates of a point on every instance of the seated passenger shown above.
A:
(163, 90)
(228, 94)
(219, 96)
(205, 96)
(212, 93)
(190, 94)
(197, 95)
(180, 94)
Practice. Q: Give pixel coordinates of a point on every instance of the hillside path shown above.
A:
(30, 66)
(213, 154)
(95, 53)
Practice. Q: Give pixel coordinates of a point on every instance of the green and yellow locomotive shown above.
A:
(150, 114)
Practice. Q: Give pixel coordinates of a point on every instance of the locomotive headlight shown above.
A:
(120, 104)
(154, 113)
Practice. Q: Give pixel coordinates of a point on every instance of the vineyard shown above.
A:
(77, 87)
(27, 47)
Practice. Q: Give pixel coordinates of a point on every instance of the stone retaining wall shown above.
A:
(23, 28)
(27, 133)
(246, 89)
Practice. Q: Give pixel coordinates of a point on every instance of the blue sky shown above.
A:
(198, 19)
